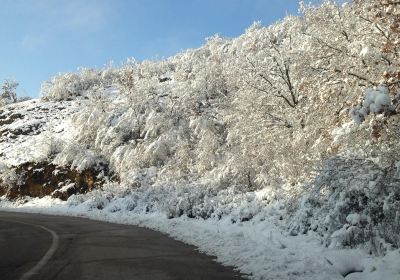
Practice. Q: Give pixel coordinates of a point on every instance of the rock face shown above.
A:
(41, 179)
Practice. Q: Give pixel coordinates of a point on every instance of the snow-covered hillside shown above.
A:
(277, 151)
(30, 128)
(35, 136)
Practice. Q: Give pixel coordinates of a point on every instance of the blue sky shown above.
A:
(40, 38)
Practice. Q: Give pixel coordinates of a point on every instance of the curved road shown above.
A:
(36, 246)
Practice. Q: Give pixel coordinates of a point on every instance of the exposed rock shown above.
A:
(41, 179)
(9, 117)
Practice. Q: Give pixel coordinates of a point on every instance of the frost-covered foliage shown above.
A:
(375, 101)
(8, 176)
(352, 202)
(8, 93)
(267, 110)
(78, 158)
(69, 86)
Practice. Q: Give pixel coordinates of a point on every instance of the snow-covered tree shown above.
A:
(8, 92)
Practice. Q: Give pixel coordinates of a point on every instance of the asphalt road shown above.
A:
(36, 246)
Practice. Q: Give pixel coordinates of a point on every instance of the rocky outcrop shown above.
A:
(41, 179)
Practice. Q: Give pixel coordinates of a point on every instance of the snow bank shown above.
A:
(258, 247)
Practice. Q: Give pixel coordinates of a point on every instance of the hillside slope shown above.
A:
(282, 140)
(26, 123)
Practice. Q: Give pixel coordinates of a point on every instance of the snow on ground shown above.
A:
(30, 129)
(259, 248)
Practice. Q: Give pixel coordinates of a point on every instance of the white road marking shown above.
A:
(45, 259)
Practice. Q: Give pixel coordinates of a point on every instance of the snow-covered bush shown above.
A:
(8, 176)
(352, 203)
(375, 101)
(8, 93)
(79, 158)
(69, 86)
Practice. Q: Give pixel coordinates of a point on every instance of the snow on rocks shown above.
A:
(30, 130)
